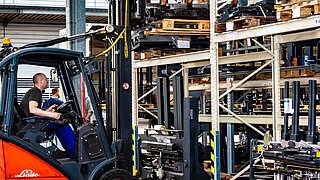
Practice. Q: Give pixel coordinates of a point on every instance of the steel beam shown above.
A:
(300, 36)
(174, 59)
(311, 22)
(201, 58)
(244, 58)
(254, 119)
(256, 83)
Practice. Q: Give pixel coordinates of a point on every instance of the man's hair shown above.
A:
(37, 77)
(54, 90)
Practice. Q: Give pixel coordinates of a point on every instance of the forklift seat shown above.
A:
(19, 115)
(32, 129)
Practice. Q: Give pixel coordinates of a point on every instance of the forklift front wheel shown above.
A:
(116, 174)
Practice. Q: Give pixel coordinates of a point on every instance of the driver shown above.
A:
(31, 105)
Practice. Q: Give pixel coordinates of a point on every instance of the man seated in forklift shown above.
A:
(31, 105)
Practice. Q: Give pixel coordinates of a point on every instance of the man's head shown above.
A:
(40, 81)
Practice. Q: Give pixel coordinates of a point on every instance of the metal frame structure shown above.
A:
(281, 32)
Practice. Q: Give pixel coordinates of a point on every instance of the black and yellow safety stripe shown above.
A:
(212, 153)
(134, 167)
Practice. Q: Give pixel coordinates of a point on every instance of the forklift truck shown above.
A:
(22, 154)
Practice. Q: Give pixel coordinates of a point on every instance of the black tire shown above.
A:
(116, 174)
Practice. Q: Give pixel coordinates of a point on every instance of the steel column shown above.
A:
(135, 122)
(166, 102)
(76, 23)
(214, 67)
(276, 114)
(160, 102)
(178, 102)
(230, 133)
(192, 168)
(285, 135)
(295, 117)
(123, 85)
(312, 112)
(190, 145)
(186, 81)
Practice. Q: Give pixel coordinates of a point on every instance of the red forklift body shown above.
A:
(17, 163)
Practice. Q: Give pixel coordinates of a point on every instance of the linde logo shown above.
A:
(27, 173)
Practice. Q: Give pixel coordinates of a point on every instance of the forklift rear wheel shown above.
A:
(116, 174)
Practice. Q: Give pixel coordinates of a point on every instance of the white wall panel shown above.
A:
(53, 3)
(22, 34)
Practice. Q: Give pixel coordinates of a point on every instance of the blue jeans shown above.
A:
(66, 137)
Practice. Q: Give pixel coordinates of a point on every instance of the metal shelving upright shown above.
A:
(281, 32)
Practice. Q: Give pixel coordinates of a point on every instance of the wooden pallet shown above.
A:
(179, 27)
(200, 80)
(299, 73)
(307, 73)
(263, 76)
(183, 25)
(297, 10)
(243, 22)
(290, 2)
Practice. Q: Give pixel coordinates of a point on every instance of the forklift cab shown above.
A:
(22, 153)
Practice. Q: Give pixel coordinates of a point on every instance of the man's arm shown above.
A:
(89, 114)
(33, 108)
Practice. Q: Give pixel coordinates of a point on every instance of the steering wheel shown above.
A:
(64, 105)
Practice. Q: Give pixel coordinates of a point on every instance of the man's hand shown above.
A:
(52, 108)
(56, 115)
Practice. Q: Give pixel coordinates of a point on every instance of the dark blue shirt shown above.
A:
(50, 102)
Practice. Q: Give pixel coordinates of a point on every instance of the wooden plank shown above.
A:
(297, 9)
(174, 32)
(243, 22)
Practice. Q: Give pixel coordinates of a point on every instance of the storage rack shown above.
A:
(281, 32)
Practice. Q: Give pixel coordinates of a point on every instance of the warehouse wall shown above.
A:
(53, 3)
(22, 34)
